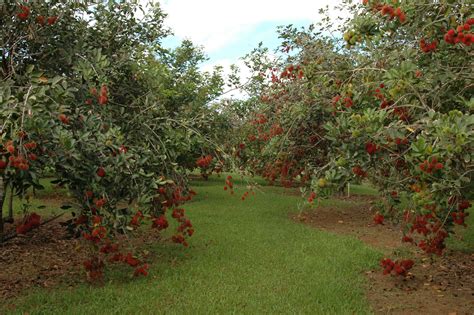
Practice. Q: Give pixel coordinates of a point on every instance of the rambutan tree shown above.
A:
(89, 96)
(384, 98)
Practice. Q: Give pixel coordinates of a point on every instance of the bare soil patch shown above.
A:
(47, 257)
(44, 257)
(438, 285)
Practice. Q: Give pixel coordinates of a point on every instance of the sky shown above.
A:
(229, 29)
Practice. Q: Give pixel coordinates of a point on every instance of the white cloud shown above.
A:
(216, 23)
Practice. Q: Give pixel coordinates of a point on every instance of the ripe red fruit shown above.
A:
(99, 203)
(22, 16)
(348, 102)
(311, 197)
(179, 238)
(87, 265)
(25, 12)
(428, 47)
(109, 248)
(402, 17)
(123, 149)
(99, 232)
(136, 219)
(131, 261)
(32, 157)
(3, 164)
(30, 222)
(398, 12)
(103, 100)
(378, 218)
(463, 205)
(386, 9)
(41, 20)
(178, 213)
(160, 223)
(357, 170)
(23, 166)
(371, 148)
(399, 267)
(100, 172)
(141, 271)
(64, 119)
(30, 145)
(80, 220)
(11, 149)
(204, 161)
(96, 220)
(52, 20)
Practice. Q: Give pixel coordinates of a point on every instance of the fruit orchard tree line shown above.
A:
(387, 98)
(89, 97)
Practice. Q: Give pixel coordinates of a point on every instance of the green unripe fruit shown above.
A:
(322, 182)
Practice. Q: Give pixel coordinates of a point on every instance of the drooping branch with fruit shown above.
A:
(387, 98)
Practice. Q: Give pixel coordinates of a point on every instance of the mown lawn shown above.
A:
(245, 257)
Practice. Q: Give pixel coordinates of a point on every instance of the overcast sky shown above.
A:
(228, 29)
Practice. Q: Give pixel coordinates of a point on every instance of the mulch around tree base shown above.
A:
(47, 257)
(44, 257)
(438, 285)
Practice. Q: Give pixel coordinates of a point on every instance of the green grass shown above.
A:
(463, 239)
(40, 202)
(363, 190)
(245, 257)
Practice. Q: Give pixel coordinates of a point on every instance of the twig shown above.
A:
(14, 234)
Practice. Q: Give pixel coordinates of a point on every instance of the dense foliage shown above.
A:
(90, 97)
(386, 98)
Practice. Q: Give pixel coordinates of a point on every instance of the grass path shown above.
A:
(245, 258)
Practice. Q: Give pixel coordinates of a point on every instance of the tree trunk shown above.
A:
(2, 199)
(10, 205)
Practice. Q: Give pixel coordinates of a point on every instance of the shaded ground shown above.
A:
(47, 257)
(442, 285)
(41, 258)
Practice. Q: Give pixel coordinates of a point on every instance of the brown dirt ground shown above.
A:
(47, 257)
(438, 285)
(43, 257)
